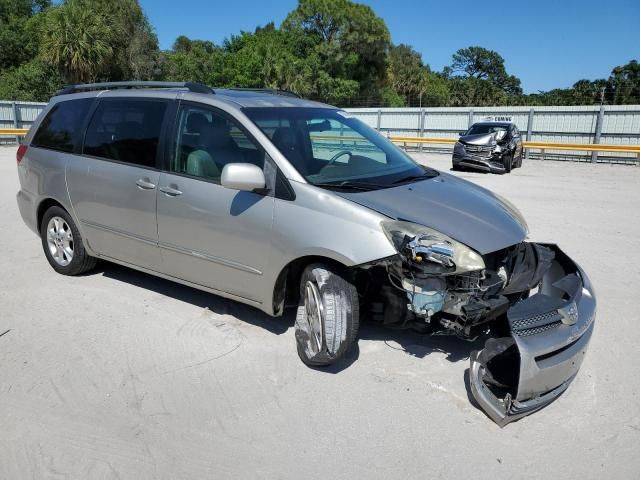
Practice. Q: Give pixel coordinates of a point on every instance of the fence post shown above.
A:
(379, 120)
(470, 122)
(529, 131)
(421, 128)
(14, 107)
(598, 134)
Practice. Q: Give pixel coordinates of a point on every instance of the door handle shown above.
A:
(172, 192)
(145, 184)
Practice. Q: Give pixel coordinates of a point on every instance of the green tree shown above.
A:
(482, 64)
(17, 45)
(624, 84)
(413, 81)
(78, 41)
(348, 44)
(99, 39)
(32, 81)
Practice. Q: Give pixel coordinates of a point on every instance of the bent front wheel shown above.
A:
(327, 320)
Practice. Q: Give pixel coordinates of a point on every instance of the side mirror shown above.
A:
(501, 134)
(243, 176)
(462, 134)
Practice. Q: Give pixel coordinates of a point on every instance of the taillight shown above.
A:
(22, 149)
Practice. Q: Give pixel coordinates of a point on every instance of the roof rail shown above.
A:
(272, 91)
(191, 86)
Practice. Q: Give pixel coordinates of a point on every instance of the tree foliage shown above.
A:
(336, 51)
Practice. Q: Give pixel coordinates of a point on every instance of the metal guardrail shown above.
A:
(585, 147)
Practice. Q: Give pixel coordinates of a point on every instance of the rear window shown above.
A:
(126, 131)
(61, 129)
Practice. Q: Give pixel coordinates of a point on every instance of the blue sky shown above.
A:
(547, 44)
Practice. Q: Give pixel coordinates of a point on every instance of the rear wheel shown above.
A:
(62, 243)
(327, 320)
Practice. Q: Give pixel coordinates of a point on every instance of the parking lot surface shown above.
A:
(118, 374)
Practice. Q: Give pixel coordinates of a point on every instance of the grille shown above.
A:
(484, 150)
(536, 320)
(535, 324)
(536, 330)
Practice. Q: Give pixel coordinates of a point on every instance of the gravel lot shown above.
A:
(118, 374)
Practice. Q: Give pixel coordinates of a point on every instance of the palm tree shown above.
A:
(77, 41)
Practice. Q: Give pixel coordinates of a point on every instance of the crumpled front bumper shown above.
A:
(491, 164)
(515, 376)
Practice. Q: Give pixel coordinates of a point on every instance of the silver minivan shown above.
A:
(273, 200)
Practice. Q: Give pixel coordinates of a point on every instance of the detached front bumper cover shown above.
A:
(515, 376)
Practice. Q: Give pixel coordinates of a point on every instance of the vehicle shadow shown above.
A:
(199, 298)
(420, 345)
(416, 344)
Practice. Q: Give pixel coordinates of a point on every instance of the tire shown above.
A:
(507, 161)
(336, 321)
(62, 243)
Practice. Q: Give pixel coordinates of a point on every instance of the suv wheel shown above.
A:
(62, 243)
(328, 315)
(507, 161)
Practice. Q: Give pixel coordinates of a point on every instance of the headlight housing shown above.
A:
(433, 251)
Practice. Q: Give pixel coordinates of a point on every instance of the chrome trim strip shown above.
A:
(210, 258)
(115, 231)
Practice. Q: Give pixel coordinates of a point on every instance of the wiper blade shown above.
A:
(347, 185)
(426, 174)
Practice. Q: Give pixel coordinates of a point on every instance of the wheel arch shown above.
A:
(286, 291)
(44, 205)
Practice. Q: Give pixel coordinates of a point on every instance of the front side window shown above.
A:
(61, 129)
(126, 131)
(332, 148)
(207, 140)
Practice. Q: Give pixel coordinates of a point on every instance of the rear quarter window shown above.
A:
(61, 129)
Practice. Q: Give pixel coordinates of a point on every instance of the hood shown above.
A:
(478, 139)
(462, 210)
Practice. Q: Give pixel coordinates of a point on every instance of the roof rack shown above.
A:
(272, 91)
(191, 86)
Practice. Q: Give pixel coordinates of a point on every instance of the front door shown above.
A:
(211, 235)
(113, 185)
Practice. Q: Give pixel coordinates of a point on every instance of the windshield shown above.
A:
(331, 148)
(483, 128)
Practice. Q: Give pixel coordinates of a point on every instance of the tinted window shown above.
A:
(206, 141)
(62, 127)
(126, 130)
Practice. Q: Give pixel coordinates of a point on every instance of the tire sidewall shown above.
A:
(79, 253)
(340, 319)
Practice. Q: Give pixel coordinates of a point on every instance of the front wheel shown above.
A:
(327, 320)
(507, 161)
(62, 243)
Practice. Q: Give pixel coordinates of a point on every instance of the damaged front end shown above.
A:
(533, 302)
(482, 152)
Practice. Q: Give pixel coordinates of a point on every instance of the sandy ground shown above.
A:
(118, 374)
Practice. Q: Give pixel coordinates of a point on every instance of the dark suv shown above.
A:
(489, 146)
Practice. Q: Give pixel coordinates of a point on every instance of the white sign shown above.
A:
(498, 118)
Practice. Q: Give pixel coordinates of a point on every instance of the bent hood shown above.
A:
(462, 210)
(478, 139)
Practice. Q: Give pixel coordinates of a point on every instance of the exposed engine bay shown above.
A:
(525, 299)
(423, 290)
